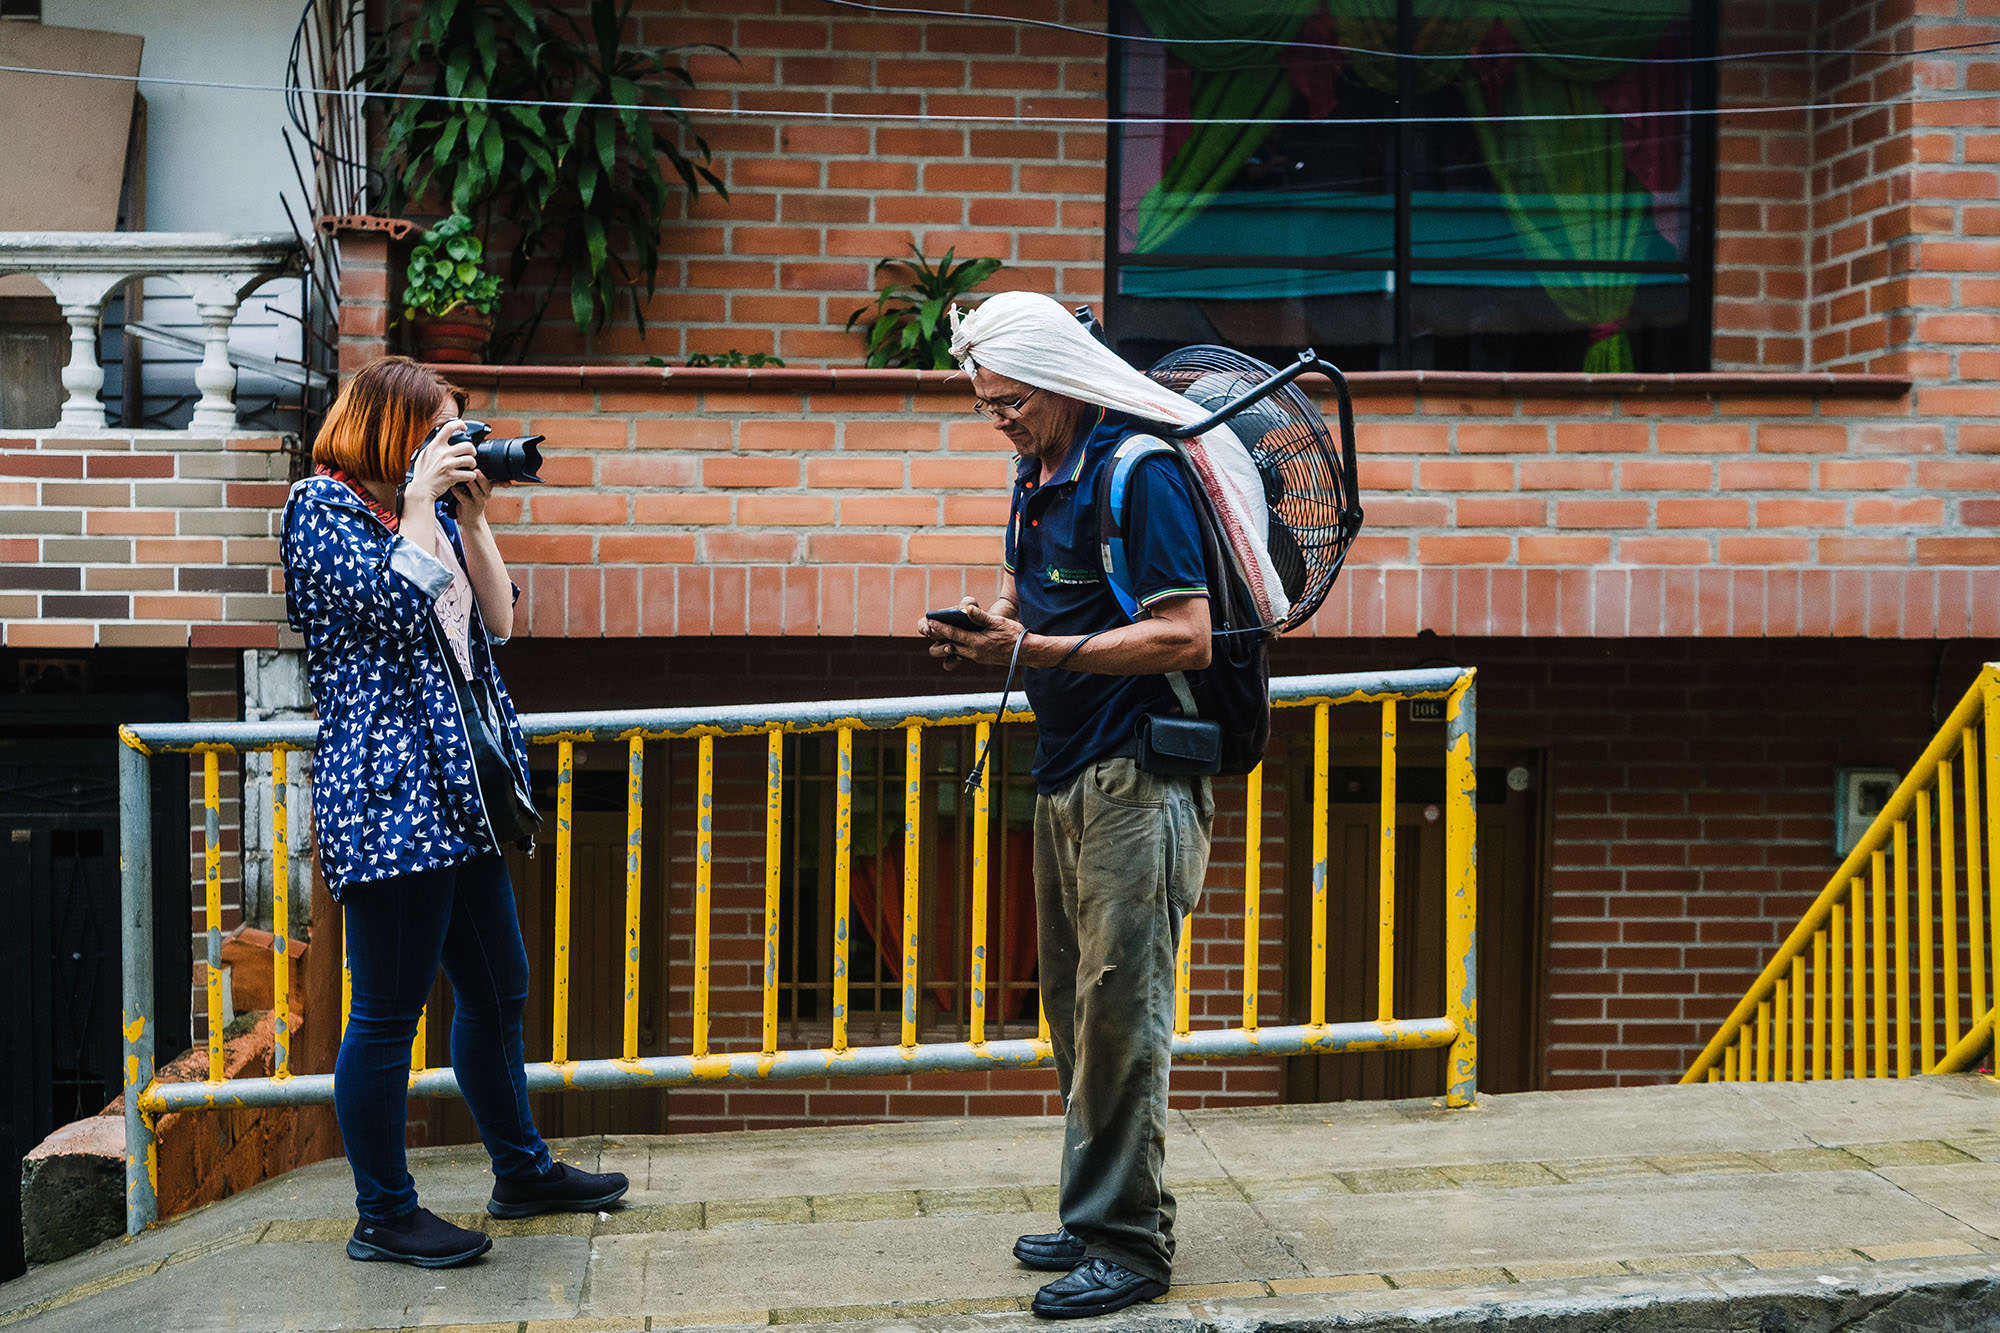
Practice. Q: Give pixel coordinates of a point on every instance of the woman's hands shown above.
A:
(443, 464)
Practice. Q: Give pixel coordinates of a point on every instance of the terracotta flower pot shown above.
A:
(458, 337)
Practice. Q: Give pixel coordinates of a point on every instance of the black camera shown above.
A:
(517, 459)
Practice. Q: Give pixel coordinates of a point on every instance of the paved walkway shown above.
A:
(1363, 1214)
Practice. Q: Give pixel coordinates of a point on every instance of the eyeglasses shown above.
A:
(998, 411)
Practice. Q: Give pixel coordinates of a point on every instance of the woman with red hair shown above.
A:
(401, 604)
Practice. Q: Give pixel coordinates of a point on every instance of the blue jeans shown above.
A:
(398, 933)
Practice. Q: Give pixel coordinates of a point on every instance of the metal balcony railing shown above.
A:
(915, 718)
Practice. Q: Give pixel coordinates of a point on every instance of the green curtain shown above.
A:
(1443, 27)
(1565, 187)
(1230, 83)
(1574, 169)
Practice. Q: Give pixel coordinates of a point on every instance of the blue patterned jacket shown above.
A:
(393, 784)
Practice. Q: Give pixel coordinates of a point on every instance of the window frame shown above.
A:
(1695, 351)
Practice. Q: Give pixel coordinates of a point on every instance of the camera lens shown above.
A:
(518, 459)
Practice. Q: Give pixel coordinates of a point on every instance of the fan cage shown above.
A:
(1315, 510)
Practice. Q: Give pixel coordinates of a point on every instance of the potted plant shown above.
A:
(448, 297)
(560, 137)
(906, 321)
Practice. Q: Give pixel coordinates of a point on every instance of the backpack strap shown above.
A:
(1111, 506)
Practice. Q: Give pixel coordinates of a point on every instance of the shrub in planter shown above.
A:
(448, 297)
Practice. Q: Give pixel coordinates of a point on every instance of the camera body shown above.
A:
(516, 459)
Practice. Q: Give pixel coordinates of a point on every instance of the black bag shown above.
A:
(1234, 690)
(510, 806)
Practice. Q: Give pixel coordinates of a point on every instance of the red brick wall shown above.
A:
(1906, 198)
(846, 502)
(814, 204)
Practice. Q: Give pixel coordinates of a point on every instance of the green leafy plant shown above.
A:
(446, 271)
(907, 326)
(585, 182)
(725, 360)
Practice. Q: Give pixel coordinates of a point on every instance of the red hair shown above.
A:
(380, 417)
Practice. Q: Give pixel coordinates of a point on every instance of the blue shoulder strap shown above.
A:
(1117, 482)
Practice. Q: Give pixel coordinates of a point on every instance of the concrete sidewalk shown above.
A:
(1852, 1205)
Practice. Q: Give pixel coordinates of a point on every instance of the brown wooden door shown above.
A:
(1510, 911)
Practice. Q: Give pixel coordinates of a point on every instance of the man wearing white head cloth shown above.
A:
(1119, 851)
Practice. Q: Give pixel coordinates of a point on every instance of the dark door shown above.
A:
(1510, 911)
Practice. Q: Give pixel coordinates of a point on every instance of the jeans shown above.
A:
(1119, 860)
(398, 933)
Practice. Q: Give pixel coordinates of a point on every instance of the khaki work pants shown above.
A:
(1119, 860)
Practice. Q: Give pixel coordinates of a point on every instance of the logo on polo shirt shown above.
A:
(1071, 576)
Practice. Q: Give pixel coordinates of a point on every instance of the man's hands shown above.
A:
(992, 644)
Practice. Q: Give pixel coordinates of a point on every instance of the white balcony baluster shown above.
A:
(83, 268)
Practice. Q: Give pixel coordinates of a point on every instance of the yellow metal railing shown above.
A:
(1835, 1000)
(1455, 1028)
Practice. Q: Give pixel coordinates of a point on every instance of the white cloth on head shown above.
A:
(1028, 337)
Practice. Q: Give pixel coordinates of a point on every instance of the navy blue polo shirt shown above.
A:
(1056, 559)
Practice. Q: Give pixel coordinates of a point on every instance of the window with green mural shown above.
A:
(1414, 184)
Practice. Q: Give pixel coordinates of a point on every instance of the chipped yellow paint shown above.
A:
(635, 824)
(565, 808)
(913, 810)
(211, 801)
(1253, 886)
(982, 833)
(1385, 912)
(774, 851)
(704, 871)
(1461, 877)
(281, 899)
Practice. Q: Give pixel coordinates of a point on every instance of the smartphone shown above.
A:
(953, 617)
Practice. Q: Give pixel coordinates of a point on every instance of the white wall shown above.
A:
(215, 159)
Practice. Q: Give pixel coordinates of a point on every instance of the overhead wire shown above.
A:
(773, 113)
(1149, 38)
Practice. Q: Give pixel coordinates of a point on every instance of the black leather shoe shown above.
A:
(1095, 1286)
(1053, 1251)
(421, 1238)
(563, 1190)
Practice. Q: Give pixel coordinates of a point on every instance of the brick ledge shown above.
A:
(1467, 383)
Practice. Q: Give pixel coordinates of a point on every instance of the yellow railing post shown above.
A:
(1322, 795)
(565, 805)
(1926, 958)
(982, 826)
(211, 804)
(1975, 883)
(704, 878)
(1836, 1003)
(1880, 962)
(635, 838)
(1819, 1007)
(1989, 688)
(843, 869)
(1764, 1041)
(913, 805)
(281, 918)
(1385, 967)
(1902, 964)
(1253, 885)
(1799, 1019)
(1780, 1025)
(1860, 917)
(1948, 900)
(774, 850)
(1461, 895)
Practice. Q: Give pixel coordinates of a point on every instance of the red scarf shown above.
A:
(362, 493)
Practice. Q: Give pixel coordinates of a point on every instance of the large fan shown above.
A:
(1309, 483)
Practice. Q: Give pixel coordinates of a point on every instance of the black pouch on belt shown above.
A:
(510, 807)
(1180, 747)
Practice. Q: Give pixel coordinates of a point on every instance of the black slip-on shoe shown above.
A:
(421, 1238)
(563, 1190)
(1052, 1251)
(1095, 1286)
